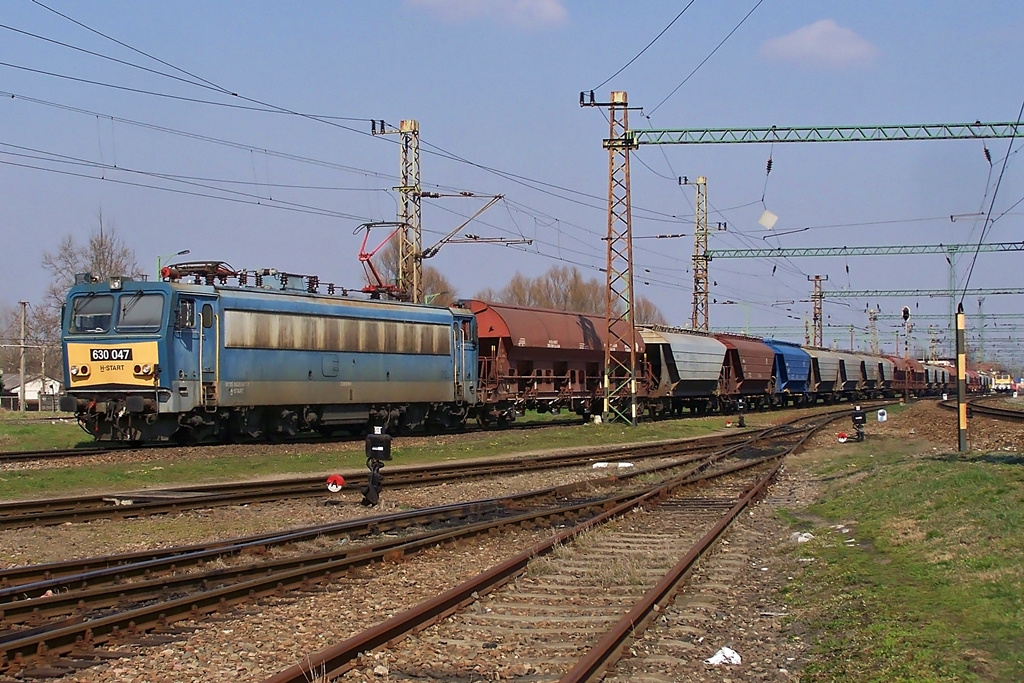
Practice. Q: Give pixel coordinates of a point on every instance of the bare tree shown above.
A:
(437, 289)
(104, 254)
(646, 313)
(563, 288)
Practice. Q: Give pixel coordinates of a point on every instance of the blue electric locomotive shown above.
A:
(263, 357)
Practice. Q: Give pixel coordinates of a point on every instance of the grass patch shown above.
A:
(37, 431)
(932, 587)
(301, 459)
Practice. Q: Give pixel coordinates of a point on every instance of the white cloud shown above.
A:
(522, 13)
(821, 44)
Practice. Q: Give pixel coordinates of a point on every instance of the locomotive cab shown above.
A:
(117, 369)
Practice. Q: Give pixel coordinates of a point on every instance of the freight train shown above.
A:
(212, 354)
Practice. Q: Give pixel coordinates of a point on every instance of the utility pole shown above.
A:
(873, 329)
(981, 330)
(21, 389)
(816, 297)
(951, 258)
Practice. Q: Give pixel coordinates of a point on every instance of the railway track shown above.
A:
(104, 448)
(57, 616)
(983, 407)
(47, 512)
(568, 619)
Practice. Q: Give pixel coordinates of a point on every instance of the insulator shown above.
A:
(312, 284)
(988, 155)
(284, 280)
(581, 98)
(373, 127)
(768, 166)
(259, 279)
(592, 101)
(243, 278)
(330, 288)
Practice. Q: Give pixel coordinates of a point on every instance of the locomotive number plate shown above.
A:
(110, 354)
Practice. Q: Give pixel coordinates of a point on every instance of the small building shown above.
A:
(40, 392)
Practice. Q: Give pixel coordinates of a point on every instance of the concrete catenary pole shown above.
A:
(961, 378)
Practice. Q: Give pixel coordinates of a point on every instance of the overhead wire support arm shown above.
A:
(430, 252)
(917, 131)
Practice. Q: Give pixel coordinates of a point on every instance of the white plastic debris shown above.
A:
(724, 656)
(797, 537)
(620, 465)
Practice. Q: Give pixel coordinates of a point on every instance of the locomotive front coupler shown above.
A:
(378, 449)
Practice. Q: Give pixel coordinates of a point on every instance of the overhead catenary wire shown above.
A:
(646, 47)
(986, 228)
(273, 108)
(708, 57)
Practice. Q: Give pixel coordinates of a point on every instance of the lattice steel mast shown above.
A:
(816, 299)
(620, 399)
(701, 318)
(410, 236)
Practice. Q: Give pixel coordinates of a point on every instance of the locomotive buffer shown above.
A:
(378, 449)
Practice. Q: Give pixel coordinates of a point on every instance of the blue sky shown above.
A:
(494, 85)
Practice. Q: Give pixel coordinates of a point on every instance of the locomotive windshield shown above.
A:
(140, 312)
(91, 314)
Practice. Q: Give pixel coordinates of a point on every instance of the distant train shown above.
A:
(213, 354)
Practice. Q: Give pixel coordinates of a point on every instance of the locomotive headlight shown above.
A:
(147, 369)
(83, 370)
(74, 371)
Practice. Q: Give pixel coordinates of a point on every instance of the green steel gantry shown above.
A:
(877, 293)
(772, 134)
(917, 131)
(863, 251)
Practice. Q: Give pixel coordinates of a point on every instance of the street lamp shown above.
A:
(160, 261)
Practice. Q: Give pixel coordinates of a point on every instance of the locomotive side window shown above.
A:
(140, 312)
(207, 316)
(91, 314)
(186, 314)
